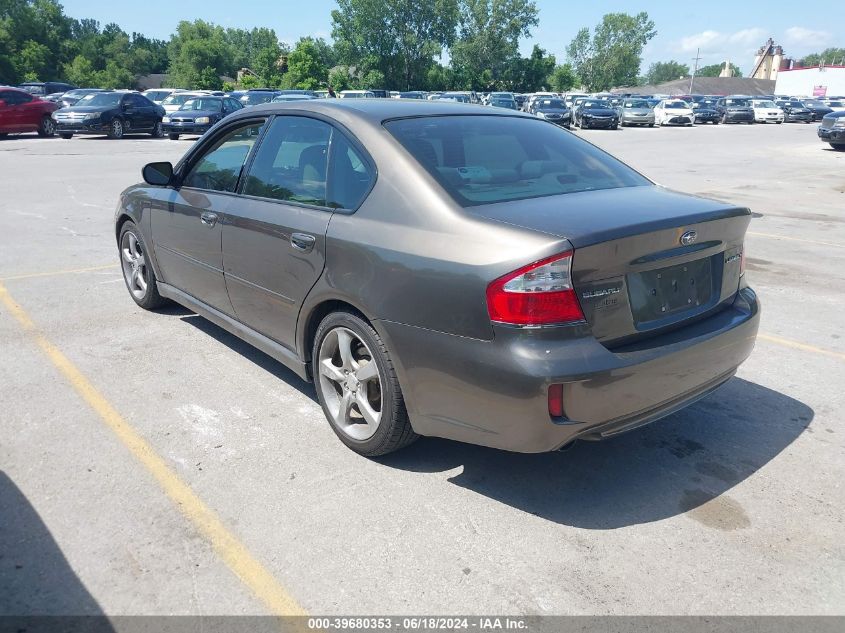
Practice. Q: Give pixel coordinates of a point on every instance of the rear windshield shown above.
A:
(483, 159)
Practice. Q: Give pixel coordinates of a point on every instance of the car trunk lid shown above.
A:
(645, 259)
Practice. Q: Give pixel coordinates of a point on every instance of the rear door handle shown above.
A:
(302, 241)
(208, 218)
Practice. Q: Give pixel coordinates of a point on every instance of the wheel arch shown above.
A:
(311, 317)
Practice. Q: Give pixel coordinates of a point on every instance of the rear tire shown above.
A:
(839, 147)
(47, 127)
(137, 272)
(352, 394)
(173, 137)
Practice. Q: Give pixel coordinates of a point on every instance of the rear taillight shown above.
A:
(556, 400)
(742, 261)
(538, 294)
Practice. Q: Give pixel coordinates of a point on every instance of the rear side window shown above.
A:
(349, 175)
(486, 159)
(220, 167)
(292, 162)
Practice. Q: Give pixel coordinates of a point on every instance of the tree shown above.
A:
(562, 78)
(488, 44)
(400, 38)
(612, 55)
(306, 70)
(828, 56)
(660, 72)
(714, 70)
(195, 48)
(529, 74)
(81, 72)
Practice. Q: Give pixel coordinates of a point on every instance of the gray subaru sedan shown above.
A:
(446, 270)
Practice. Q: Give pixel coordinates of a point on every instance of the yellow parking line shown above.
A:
(796, 239)
(802, 346)
(66, 271)
(251, 572)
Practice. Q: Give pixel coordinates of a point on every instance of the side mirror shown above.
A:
(159, 174)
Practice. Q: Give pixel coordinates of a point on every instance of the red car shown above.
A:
(22, 112)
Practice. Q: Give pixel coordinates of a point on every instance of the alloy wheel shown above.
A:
(351, 383)
(134, 265)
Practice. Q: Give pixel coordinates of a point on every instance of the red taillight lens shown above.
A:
(556, 401)
(538, 294)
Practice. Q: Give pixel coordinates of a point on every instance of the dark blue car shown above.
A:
(197, 115)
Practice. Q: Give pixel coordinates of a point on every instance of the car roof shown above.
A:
(375, 111)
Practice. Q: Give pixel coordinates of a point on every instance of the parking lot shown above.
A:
(154, 464)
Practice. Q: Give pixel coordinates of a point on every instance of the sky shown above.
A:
(723, 29)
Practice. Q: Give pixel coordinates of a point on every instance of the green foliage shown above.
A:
(487, 47)
(828, 56)
(199, 54)
(306, 66)
(660, 72)
(562, 78)
(340, 78)
(714, 70)
(612, 55)
(400, 38)
(528, 74)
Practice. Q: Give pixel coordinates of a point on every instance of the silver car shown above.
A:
(446, 270)
(636, 112)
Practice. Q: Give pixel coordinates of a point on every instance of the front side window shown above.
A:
(292, 162)
(484, 159)
(220, 167)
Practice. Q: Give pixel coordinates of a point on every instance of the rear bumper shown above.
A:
(495, 393)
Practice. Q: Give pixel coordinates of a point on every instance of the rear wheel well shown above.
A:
(320, 312)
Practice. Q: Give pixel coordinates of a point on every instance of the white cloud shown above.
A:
(714, 41)
(703, 40)
(799, 36)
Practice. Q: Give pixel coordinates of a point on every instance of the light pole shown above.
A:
(696, 59)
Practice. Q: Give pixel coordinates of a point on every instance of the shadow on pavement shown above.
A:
(680, 464)
(35, 577)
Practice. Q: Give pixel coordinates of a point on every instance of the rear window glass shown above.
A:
(485, 159)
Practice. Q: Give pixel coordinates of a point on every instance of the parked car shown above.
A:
(553, 110)
(590, 303)
(292, 97)
(44, 88)
(794, 112)
(459, 97)
(356, 94)
(70, 97)
(836, 105)
(636, 112)
(735, 110)
(832, 130)
(412, 94)
(111, 113)
(158, 95)
(21, 111)
(817, 108)
(502, 100)
(197, 115)
(706, 114)
(674, 112)
(257, 96)
(174, 101)
(595, 113)
(766, 111)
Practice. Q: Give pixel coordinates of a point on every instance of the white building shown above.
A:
(828, 81)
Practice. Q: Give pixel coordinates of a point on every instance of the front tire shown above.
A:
(66, 136)
(137, 271)
(357, 386)
(173, 137)
(157, 132)
(839, 147)
(116, 129)
(47, 127)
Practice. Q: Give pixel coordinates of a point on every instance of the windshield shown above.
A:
(485, 159)
(213, 105)
(254, 98)
(764, 104)
(636, 104)
(835, 104)
(156, 95)
(593, 104)
(35, 90)
(177, 99)
(736, 103)
(676, 105)
(553, 104)
(100, 99)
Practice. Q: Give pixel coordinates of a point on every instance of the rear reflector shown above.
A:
(538, 294)
(556, 401)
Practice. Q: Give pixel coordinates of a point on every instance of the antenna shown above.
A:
(696, 59)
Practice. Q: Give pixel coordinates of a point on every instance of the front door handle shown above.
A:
(302, 241)
(209, 219)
